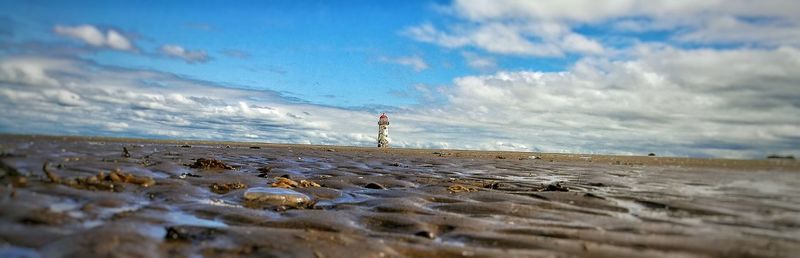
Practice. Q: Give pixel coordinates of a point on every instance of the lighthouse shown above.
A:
(383, 131)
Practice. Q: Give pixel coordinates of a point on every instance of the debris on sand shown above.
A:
(285, 182)
(50, 175)
(101, 181)
(457, 188)
(276, 196)
(125, 153)
(500, 157)
(186, 146)
(493, 185)
(442, 154)
(255, 147)
(203, 163)
(307, 183)
(185, 175)
(117, 176)
(226, 187)
(555, 187)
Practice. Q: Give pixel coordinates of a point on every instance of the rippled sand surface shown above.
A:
(395, 203)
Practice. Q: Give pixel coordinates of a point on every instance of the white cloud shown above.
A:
(427, 33)
(95, 37)
(509, 39)
(579, 44)
(190, 56)
(415, 62)
(734, 30)
(478, 62)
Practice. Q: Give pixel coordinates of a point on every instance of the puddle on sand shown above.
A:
(18, 252)
(185, 219)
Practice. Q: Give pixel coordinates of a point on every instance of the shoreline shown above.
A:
(572, 158)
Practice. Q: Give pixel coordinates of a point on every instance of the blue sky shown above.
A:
(684, 78)
(321, 51)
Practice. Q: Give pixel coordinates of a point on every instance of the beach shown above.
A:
(110, 197)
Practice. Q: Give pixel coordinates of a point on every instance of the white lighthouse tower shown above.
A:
(383, 131)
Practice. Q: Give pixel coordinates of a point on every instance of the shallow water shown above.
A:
(384, 204)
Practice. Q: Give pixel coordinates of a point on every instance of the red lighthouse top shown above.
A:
(383, 120)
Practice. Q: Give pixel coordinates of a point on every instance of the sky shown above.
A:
(674, 77)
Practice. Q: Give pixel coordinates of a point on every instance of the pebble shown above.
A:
(374, 186)
(276, 196)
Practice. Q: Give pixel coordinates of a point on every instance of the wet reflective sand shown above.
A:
(361, 202)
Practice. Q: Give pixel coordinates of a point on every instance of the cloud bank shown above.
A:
(693, 103)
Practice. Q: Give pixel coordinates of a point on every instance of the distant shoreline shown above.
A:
(598, 159)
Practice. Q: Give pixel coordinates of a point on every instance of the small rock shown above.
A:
(374, 186)
(331, 150)
(773, 156)
(651, 155)
(176, 234)
(276, 196)
(186, 146)
(425, 234)
(255, 147)
(181, 233)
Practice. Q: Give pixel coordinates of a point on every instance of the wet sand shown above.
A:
(88, 197)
